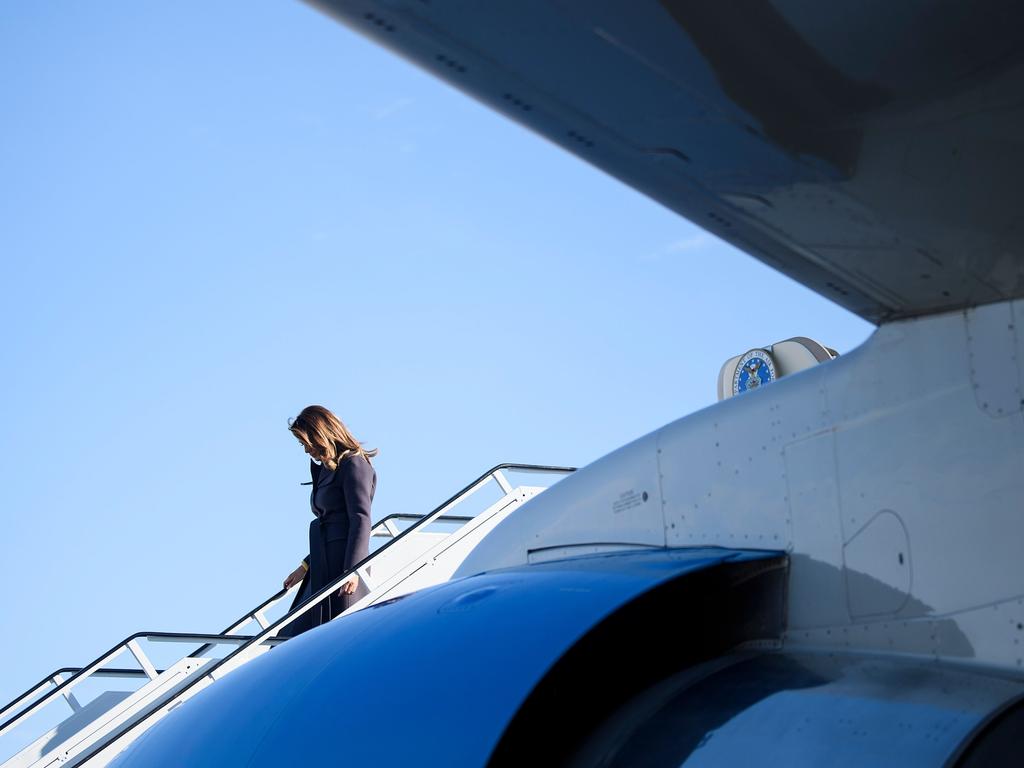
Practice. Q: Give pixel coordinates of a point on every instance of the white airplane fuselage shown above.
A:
(892, 476)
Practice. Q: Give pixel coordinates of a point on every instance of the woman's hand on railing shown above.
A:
(348, 586)
(294, 577)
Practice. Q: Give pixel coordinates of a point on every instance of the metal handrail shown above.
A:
(314, 600)
(125, 645)
(407, 517)
(244, 642)
(465, 491)
(124, 672)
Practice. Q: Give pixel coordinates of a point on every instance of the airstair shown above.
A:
(408, 552)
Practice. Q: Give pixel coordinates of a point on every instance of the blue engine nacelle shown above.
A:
(659, 657)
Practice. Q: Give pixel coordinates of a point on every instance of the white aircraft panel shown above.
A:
(817, 589)
(945, 466)
(992, 355)
(618, 502)
(724, 477)
(877, 567)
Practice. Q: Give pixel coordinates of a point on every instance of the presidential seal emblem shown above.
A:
(755, 369)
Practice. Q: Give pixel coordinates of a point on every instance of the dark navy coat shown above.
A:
(339, 537)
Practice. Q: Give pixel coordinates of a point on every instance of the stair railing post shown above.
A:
(144, 662)
(68, 695)
(502, 481)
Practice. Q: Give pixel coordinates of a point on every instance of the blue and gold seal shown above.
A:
(755, 369)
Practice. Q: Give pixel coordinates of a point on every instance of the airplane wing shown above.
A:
(868, 150)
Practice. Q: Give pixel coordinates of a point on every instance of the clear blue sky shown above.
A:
(213, 214)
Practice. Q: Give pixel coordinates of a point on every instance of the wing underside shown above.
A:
(869, 150)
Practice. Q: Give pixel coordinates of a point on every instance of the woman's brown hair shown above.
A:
(327, 438)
